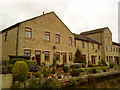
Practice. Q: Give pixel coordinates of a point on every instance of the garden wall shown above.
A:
(6, 80)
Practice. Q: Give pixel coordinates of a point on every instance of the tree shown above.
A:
(79, 58)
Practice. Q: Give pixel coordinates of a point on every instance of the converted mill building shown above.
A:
(46, 36)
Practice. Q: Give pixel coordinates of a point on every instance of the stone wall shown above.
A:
(6, 80)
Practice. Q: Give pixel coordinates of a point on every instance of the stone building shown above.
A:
(46, 37)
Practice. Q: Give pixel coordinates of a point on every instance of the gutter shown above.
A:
(17, 41)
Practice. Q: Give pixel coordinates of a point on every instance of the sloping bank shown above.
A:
(89, 78)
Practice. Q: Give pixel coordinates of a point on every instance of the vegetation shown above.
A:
(6, 69)
(33, 68)
(112, 64)
(20, 71)
(15, 86)
(78, 57)
(51, 83)
(33, 84)
(65, 69)
(12, 61)
(74, 73)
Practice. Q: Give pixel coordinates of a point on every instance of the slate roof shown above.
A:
(114, 43)
(85, 38)
(94, 31)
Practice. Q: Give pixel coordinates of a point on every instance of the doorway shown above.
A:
(38, 56)
(64, 58)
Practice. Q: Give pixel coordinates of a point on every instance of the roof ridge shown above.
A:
(93, 31)
(25, 21)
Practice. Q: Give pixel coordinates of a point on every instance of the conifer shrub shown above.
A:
(12, 61)
(20, 71)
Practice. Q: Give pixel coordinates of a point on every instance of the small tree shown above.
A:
(20, 71)
(78, 57)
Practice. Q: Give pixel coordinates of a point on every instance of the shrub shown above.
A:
(33, 84)
(73, 82)
(31, 62)
(65, 69)
(16, 85)
(74, 73)
(51, 83)
(33, 68)
(104, 70)
(81, 69)
(29, 75)
(6, 69)
(112, 64)
(93, 70)
(90, 65)
(37, 74)
(115, 67)
(20, 71)
(12, 61)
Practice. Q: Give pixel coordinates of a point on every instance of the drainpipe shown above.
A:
(88, 52)
(17, 40)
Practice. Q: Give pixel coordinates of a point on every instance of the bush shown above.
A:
(74, 73)
(7, 69)
(65, 69)
(34, 84)
(81, 69)
(112, 64)
(115, 67)
(93, 70)
(16, 85)
(37, 74)
(90, 65)
(29, 75)
(51, 83)
(12, 61)
(73, 82)
(33, 68)
(31, 62)
(20, 71)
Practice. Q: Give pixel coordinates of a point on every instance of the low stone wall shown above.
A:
(7, 80)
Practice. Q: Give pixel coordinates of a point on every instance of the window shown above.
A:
(47, 36)
(99, 57)
(70, 40)
(116, 49)
(107, 58)
(83, 44)
(57, 38)
(47, 55)
(106, 48)
(70, 56)
(28, 32)
(98, 47)
(92, 45)
(6, 36)
(108, 39)
(27, 52)
(57, 56)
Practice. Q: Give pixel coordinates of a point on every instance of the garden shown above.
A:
(27, 74)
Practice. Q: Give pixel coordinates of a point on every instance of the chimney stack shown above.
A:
(43, 13)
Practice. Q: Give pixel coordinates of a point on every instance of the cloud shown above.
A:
(78, 15)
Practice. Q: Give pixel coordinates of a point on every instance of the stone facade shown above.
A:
(46, 36)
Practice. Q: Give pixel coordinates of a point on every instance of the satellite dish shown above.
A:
(54, 47)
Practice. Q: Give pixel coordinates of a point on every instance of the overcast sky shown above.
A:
(78, 15)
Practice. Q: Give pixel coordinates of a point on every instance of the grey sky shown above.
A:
(78, 15)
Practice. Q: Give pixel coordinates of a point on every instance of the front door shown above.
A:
(64, 58)
(38, 56)
(93, 59)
